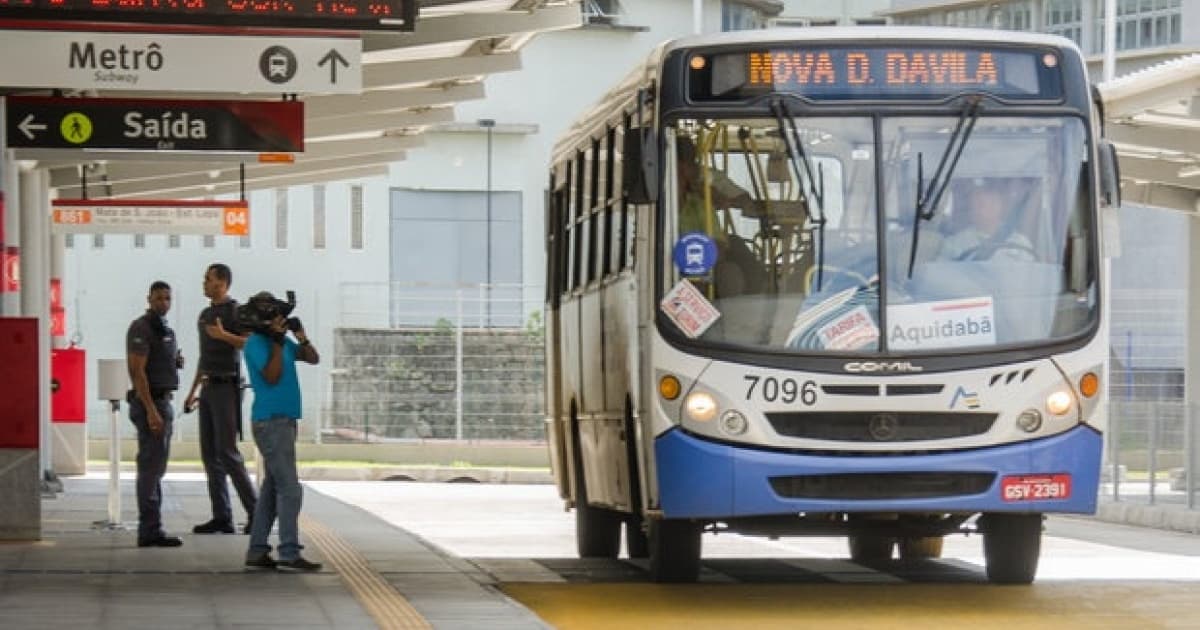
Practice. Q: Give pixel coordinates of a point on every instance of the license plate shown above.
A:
(1035, 487)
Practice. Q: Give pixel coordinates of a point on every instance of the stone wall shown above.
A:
(401, 384)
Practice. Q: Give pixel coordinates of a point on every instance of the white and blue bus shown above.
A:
(831, 282)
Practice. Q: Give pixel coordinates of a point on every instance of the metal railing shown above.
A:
(1151, 449)
(423, 361)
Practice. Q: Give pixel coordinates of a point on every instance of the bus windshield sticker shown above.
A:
(944, 324)
(688, 308)
(695, 254)
(850, 331)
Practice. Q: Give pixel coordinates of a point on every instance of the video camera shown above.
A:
(262, 308)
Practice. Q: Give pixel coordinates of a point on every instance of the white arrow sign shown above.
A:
(27, 127)
(180, 63)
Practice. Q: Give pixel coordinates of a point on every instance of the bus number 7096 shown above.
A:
(787, 390)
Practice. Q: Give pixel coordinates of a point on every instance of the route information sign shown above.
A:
(136, 216)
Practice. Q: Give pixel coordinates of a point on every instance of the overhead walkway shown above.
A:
(1153, 116)
(411, 82)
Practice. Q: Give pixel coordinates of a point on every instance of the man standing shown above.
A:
(271, 364)
(153, 361)
(219, 377)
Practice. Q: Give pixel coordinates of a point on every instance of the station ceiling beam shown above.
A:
(480, 25)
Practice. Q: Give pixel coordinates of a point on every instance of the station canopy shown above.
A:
(1153, 117)
(411, 81)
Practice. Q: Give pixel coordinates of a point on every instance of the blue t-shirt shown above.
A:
(282, 398)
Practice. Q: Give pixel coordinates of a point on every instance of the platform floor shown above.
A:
(375, 575)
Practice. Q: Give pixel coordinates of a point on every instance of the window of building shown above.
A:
(281, 218)
(1065, 17)
(209, 241)
(318, 216)
(97, 241)
(604, 12)
(173, 241)
(1143, 23)
(871, 22)
(139, 241)
(736, 16)
(244, 242)
(1014, 16)
(69, 241)
(356, 217)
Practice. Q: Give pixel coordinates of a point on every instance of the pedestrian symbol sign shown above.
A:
(76, 128)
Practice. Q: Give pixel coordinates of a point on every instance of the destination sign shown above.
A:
(889, 73)
(356, 15)
(114, 216)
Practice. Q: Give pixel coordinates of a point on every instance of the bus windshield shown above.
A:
(774, 228)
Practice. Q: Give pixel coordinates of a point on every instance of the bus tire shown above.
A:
(920, 547)
(597, 530)
(637, 544)
(674, 550)
(871, 548)
(1011, 546)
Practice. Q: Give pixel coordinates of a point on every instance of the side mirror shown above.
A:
(640, 165)
(1110, 175)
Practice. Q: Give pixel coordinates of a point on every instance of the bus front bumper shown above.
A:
(698, 478)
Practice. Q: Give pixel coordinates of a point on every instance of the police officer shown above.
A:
(220, 400)
(153, 361)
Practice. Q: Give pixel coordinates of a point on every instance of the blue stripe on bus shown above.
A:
(702, 479)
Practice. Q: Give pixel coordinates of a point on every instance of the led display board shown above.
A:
(876, 72)
(353, 15)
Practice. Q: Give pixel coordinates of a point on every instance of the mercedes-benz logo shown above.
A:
(884, 427)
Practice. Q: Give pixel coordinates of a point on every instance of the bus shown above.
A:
(831, 282)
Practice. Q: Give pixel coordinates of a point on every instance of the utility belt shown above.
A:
(156, 393)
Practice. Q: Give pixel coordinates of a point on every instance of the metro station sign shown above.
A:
(155, 125)
(355, 15)
(136, 216)
(179, 62)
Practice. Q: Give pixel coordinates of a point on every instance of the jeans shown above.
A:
(281, 493)
(153, 451)
(218, 422)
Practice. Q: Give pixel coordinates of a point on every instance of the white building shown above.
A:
(352, 251)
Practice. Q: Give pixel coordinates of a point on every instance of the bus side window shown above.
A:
(577, 217)
(607, 204)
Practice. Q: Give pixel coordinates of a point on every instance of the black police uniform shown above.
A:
(150, 336)
(220, 416)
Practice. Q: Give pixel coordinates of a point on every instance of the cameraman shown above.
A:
(271, 363)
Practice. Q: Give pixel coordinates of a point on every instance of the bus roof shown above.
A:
(617, 99)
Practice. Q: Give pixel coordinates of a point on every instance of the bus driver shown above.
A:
(991, 232)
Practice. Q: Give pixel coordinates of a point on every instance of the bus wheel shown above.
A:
(1011, 546)
(921, 548)
(871, 548)
(637, 544)
(597, 530)
(674, 550)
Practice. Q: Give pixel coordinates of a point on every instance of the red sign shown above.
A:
(56, 294)
(1035, 487)
(10, 268)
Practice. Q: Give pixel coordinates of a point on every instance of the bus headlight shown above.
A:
(1030, 420)
(1058, 403)
(701, 406)
(733, 422)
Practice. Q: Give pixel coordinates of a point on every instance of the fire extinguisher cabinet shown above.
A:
(68, 413)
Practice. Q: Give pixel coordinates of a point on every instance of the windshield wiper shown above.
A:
(798, 158)
(927, 199)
